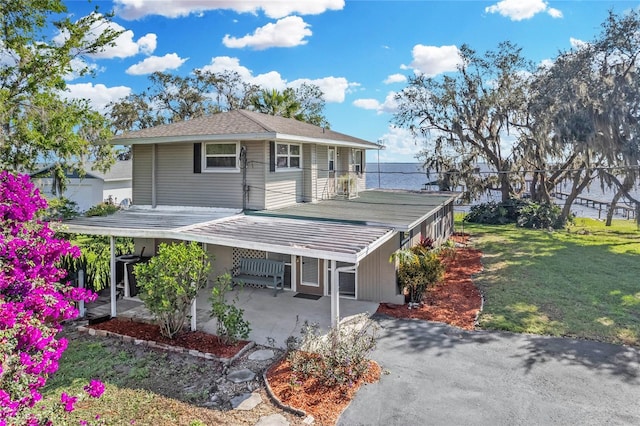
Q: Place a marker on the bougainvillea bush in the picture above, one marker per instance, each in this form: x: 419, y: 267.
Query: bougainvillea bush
x: 34, y: 301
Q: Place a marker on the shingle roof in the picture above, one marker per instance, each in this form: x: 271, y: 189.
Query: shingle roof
x: 239, y: 124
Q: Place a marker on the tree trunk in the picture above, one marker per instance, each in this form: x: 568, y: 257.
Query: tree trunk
x: 612, y: 207
x: 578, y: 185
x: 505, y: 187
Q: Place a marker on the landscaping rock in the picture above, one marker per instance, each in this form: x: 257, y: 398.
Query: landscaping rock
x: 262, y: 355
x: 247, y: 401
x: 272, y: 420
x: 241, y: 376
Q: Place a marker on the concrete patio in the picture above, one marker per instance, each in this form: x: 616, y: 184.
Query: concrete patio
x: 270, y: 317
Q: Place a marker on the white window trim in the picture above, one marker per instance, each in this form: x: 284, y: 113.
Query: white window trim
x: 335, y: 156
x: 206, y: 169
x: 355, y: 155
x: 307, y: 284
x: 328, y: 274
x: 288, y: 169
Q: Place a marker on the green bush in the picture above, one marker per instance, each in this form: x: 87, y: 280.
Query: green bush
x: 95, y: 259
x: 230, y: 324
x: 541, y: 216
x: 60, y: 209
x: 339, y: 358
x: 496, y: 213
x: 170, y: 281
x: 102, y: 209
x: 416, y: 273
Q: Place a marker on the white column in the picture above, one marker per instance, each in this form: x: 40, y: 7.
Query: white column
x: 335, y: 295
x: 81, y: 285
x: 113, y: 276
x: 193, y: 315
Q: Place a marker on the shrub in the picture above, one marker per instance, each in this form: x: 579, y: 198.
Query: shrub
x: 102, y: 209
x: 170, y: 281
x: 339, y: 358
x: 230, y: 324
x: 60, y: 209
x: 496, y: 213
x: 541, y: 216
x: 418, y: 268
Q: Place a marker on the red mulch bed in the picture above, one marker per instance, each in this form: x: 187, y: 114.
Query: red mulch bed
x: 198, y: 340
x: 455, y: 300
x: 325, y: 404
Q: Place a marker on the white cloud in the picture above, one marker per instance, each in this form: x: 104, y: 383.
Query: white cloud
x: 577, y: 43
x: 554, y: 13
x: 390, y: 105
x: 334, y: 88
x: 434, y: 60
x: 135, y: 9
x: 124, y: 46
x: 170, y: 61
x: 371, y: 104
x: 518, y: 10
x: 99, y: 96
x: 147, y: 43
x: 395, y: 78
x: 400, y: 145
x: 286, y: 32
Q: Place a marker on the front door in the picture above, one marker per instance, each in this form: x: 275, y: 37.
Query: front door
x: 309, y: 279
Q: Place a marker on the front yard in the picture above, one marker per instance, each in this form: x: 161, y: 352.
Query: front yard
x: 582, y: 282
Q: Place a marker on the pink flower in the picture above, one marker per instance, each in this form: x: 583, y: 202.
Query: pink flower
x: 68, y: 401
x: 95, y: 388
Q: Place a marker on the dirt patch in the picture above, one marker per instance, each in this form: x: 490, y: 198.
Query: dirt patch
x: 456, y: 300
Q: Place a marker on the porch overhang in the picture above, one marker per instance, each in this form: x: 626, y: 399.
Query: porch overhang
x: 341, y: 242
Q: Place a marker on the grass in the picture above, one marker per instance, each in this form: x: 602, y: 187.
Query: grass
x: 142, y: 386
x: 581, y: 282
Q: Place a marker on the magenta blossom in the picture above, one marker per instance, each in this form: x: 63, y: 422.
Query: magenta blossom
x: 68, y: 401
x: 95, y: 388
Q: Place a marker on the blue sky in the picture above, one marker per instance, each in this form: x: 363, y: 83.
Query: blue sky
x: 359, y: 52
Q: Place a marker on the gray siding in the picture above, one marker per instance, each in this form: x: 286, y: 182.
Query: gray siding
x: 178, y: 185
x: 257, y: 167
x: 325, y: 187
x: 283, y: 188
x: 310, y: 171
x: 141, y: 186
x: 377, y: 276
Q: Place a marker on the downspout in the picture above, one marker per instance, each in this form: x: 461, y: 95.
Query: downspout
x: 153, y: 175
x: 243, y: 166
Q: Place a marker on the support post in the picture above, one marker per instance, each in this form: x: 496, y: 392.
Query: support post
x: 335, y: 294
x: 81, y: 285
x: 112, y: 241
x: 193, y: 315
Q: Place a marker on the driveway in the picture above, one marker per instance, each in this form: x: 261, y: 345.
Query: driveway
x: 440, y: 375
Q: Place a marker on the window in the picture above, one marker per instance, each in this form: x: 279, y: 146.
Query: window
x: 287, y: 156
x: 221, y: 156
x: 332, y: 159
x: 357, y: 160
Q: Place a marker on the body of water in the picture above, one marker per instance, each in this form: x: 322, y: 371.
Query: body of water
x: 411, y: 176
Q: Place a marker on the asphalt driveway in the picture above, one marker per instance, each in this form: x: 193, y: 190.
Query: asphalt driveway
x: 440, y: 375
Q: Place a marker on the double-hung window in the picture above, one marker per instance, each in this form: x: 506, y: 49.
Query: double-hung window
x: 332, y: 159
x: 357, y: 161
x: 288, y: 156
x: 221, y: 156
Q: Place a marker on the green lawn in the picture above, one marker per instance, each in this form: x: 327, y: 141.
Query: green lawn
x: 584, y: 282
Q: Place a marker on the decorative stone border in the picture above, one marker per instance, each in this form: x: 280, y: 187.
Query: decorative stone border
x: 273, y: 396
x: 165, y: 347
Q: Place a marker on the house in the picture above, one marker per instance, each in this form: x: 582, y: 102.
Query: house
x: 92, y: 188
x: 247, y: 184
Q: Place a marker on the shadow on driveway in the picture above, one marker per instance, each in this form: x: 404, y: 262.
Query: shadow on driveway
x: 442, y: 375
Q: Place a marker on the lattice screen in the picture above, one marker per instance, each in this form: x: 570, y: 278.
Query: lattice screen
x: 240, y: 253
